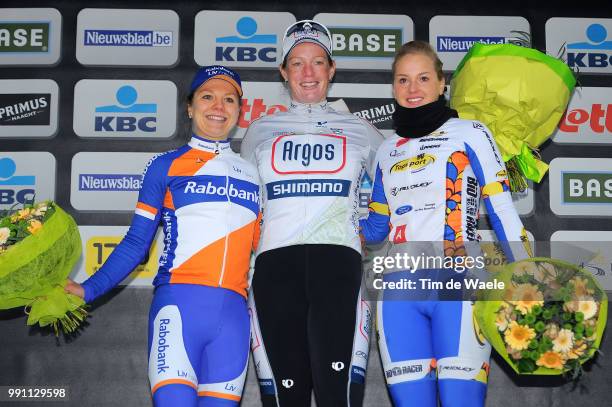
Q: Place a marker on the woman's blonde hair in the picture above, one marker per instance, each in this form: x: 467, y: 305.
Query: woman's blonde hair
x: 419, y: 47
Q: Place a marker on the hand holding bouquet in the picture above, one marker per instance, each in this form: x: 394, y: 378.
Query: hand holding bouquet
x: 39, y: 246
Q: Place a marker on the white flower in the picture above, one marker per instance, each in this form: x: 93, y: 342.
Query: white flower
x: 5, y: 233
x: 564, y: 341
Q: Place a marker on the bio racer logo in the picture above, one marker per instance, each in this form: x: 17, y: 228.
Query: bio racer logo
x: 319, y: 154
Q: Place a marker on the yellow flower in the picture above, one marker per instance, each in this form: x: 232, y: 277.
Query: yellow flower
x: 588, y: 307
x: 41, y: 210
x: 551, y: 360
x: 23, y: 213
x: 527, y: 296
x: 564, y: 341
x: 34, y: 226
x: 579, y: 350
x: 501, y: 321
x: 581, y: 288
x: 519, y: 336
x: 5, y: 233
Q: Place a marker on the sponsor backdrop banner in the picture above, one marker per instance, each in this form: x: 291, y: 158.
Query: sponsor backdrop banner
x: 28, y: 108
x: 90, y: 91
x: 30, y: 36
x: 127, y: 37
x: 585, y: 43
x: 453, y: 36
x: 365, y: 41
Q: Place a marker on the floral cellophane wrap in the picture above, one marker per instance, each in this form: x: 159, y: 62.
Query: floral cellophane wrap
x: 33, y: 272
x: 486, y: 310
x: 519, y: 93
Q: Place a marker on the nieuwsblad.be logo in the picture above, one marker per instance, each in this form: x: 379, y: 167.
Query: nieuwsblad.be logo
x: 127, y: 37
x: 240, y: 38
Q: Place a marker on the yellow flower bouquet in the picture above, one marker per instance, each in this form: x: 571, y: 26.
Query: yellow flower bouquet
x: 39, y: 246
x: 549, y: 319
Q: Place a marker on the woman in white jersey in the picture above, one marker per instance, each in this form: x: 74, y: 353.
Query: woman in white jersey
x: 311, y: 327
x: 428, y: 182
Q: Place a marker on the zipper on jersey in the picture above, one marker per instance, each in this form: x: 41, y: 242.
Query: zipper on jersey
x: 227, y: 209
x: 217, y: 147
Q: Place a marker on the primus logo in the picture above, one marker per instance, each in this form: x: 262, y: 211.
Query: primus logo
x: 24, y: 37
x: 589, y: 188
x: 25, y: 109
x: 414, y: 164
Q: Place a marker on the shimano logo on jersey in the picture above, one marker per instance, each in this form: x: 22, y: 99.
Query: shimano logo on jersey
x: 308, y: 187
x: 309, y: 154
x: 162, y: 345
x: 414, y: 164
x: 210, y: 188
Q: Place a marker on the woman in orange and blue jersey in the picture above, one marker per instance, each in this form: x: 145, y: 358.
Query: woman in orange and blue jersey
x: 207, y: 200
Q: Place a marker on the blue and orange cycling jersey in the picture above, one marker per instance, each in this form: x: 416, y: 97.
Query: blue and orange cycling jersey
x: 207, y: 200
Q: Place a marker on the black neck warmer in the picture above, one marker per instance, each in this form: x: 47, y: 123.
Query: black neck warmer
x: 420, y: 121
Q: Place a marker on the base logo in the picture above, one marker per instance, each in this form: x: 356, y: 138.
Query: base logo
x: 581, y: 186
x: 30, y: 36
x: 366, y: 41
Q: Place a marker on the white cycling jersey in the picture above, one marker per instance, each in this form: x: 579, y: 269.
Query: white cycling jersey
x: 311, y: 160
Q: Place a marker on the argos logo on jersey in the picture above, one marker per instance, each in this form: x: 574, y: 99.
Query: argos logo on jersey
x: 309, y: 154
x: 414, y: 164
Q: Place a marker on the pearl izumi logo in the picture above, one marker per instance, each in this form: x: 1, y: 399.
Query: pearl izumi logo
x: 30, y: 36
x: 366, y: 41
x: 287, y: 383
x: 25, y: 109
x: 337, y: 366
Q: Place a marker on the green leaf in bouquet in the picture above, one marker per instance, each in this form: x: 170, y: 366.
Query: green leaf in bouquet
x: 526, y: 365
